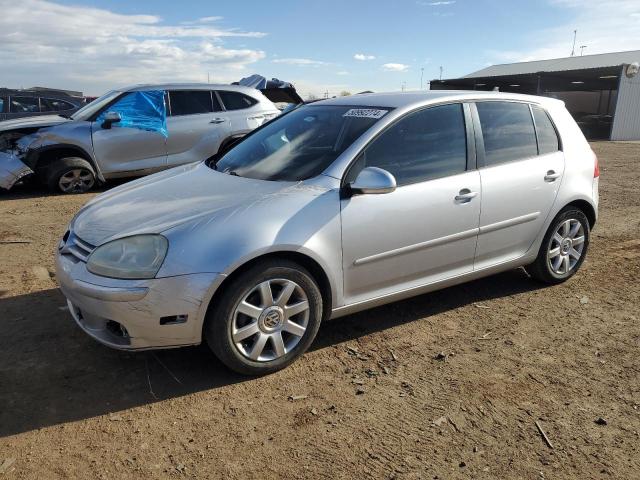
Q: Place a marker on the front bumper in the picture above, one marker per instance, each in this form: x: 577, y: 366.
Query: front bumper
x: 12, y: 170
x: 136, y: 314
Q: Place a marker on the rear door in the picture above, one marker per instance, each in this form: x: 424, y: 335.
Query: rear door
x: 196, y: 126
x: 244, y: 112
x: 521, y: 168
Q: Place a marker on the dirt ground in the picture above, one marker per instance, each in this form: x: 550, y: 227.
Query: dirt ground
x: 372, y: 399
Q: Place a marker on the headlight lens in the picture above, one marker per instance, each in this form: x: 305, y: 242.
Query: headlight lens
x: 137, y: 257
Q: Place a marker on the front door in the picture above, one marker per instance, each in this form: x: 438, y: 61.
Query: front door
x: 426, y: 229
x: 522, y: 172
x: 135, y: 145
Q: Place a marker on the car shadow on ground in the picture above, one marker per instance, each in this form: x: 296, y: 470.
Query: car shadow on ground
x: 34, y: 189
x: 51, y: 372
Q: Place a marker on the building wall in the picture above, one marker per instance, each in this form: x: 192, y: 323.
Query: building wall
x: 626, y: 122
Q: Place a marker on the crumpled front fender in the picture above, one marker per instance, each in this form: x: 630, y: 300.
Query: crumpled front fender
x: 12, y: 169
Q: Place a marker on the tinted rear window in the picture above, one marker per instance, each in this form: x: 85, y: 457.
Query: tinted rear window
x: 236, y: 100
x: 547, y: 137
x: 507, y: 131
x: 25, y: 104
x: 54, y: 105
x: 190, y: 102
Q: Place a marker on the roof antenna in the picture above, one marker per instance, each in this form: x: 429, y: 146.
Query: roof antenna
x: 573, y: 49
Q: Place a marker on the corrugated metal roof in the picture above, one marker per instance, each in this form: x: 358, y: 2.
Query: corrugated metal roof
x: 559, y: 64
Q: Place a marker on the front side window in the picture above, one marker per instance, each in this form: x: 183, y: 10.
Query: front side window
x: 507, y: 131
x: 425, y: 145
x: 190, y: 102
x: 547, y: 137
x: 92, y: 108
x: 300, y: 144
x: 54, y: 105
x: 236, y: 100
x: 25, y: 105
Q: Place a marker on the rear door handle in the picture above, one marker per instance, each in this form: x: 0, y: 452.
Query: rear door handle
x: 465, y: 195
x: 551, y: 176
x: 217, y: 120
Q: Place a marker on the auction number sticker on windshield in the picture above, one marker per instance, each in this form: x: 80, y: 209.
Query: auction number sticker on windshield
x: 365, y: 113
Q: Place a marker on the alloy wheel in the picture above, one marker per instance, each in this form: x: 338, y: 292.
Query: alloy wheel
x: 270, y: 320
x: 77, y: 180
x: 566, y: 247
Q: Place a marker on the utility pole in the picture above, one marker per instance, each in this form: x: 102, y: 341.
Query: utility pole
x: 403, y: 85
x: 582, y: 47
x: 441, y: 73
x: 208, y: 79
x: 573, y: 49
x: 421, y: 76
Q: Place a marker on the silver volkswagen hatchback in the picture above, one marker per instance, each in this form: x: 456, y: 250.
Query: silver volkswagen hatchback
x: 332, y: 208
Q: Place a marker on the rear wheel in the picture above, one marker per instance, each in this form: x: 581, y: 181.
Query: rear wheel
x: 563, y: 248
x: 266, y: 318
x: 70, y: 175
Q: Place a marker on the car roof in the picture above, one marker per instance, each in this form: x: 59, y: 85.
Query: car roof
x: 408, y: 99
x: 186, y: 86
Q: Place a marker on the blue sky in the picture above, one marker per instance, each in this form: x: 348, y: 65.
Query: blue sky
x: 329, y: 45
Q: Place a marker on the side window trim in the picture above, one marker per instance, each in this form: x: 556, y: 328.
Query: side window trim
x: 472, y: 158
x: 222, y: 106
x: 357, y: 157
x: 535, y: 129
x: 553, y: 124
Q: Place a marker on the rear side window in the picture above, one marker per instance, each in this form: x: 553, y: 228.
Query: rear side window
x: 53, y: 105
x: 424, y: 145
x: 25, y: 105
x: 507, y: 131
x: 547, y: 137
x: 2, y: 102
x: 190, y: 102
x: 236, y: 100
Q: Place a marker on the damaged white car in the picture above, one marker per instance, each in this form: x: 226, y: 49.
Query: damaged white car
x: 130, y: 132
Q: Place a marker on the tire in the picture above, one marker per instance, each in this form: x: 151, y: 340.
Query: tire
x: 243, y: 327
x: 70, y: 175
x: 556, y: 261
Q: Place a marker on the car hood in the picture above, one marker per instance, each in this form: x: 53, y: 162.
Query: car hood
x: 159, y: 202
x: 32, y: 122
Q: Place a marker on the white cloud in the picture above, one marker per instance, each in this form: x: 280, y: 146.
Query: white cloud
x: 364, y: 57
x: 603, y: 26
x: 436, y: 4
x: 342, y: 73
x: 395, y: 67
x: 306, y: 62
x: 95, y: 49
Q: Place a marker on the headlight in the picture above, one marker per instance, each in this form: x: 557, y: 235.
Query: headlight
x: 136, y: 257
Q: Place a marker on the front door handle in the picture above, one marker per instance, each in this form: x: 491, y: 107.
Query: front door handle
x: 465, y: 195
x: 217, y: 120
x: 551, y: 176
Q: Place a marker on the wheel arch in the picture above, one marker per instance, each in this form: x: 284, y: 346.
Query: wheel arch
x: 585, y: 207
x: 44, y: 156
x: 306, y: 261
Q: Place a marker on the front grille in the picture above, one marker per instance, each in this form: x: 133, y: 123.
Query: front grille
x: 77, y: 247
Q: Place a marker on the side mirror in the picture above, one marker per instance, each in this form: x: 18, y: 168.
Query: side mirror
x: 373, y: 180
x: 111, y: 118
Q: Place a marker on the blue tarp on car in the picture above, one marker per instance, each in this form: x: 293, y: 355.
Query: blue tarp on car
x: 143, y: 110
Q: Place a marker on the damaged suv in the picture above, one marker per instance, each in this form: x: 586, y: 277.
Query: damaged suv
x: 130, y: 132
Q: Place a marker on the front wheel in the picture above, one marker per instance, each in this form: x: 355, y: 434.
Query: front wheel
x: 563, y: 248
x: 266, y: 318
x: 70, y: 175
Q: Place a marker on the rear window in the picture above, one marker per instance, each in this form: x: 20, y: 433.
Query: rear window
x: 25, y: 105
x: 54, y: 105
x: 236, y: 100
x: 548, y: 141
x: 190, y: 102
x: 507, y: 131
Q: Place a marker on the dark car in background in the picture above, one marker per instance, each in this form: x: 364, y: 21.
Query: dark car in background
x: 24, y: 103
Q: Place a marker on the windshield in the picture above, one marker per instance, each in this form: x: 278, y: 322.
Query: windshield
x: 300, y: 144
x: 89, y: 109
